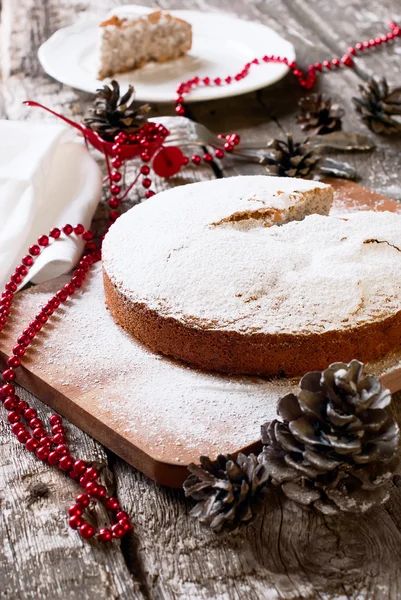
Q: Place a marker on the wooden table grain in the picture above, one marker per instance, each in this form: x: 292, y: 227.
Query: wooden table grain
x: 288, y: 552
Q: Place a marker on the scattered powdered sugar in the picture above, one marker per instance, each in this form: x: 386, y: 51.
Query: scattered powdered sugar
x: 169, y: 410
x: 206, y: 254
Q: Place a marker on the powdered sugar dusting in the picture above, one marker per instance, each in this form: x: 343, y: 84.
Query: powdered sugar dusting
x: 206, y: 254
x: 171, y: 411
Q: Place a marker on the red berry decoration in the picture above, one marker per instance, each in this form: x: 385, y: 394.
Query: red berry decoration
x: 168, y: 161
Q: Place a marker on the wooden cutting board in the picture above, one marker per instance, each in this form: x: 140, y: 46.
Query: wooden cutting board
x: 157, y: 414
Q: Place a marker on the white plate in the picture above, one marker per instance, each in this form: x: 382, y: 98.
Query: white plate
x: 222, y: 45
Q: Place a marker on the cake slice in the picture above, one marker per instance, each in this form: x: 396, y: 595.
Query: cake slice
x: 129, y: 41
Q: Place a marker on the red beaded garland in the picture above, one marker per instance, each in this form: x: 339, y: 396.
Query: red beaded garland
x: 52, y: 448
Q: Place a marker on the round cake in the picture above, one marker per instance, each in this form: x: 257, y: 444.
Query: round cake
x: 242, y: 275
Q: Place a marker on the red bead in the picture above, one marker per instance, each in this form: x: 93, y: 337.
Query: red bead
x: 146, y: 182
x: 39, y: 432
x: 55, y: 233
x: 16, y: 278
x: 83, y: 499
x: 75, y: 509
x: 19, y: 350
x: 366, y: 44
x: 113, y: 216
x: 35, y: 423
x: 86, y: 531
x: 112, y: 504
x: 104, y: 535
x: 77, y: 281
x: 42, y: 453
x: 58, y: 428
x: 185, y: 160
x: 206, y: 80
x: 116, y: 162
x: 75, y: 522
x: 347, y: 60
x: 79, y: 466
x: 3, y: 319
x: 13, y: 362
x: 180, y: 110
x: 336, y: 62
x: 5, y: 311
x: 235, y: 139
x: 126, y: 525
x: 115, y: 176
x: 397, y: 31
x: 53, y: 458
x: 27, y: 260
x: 62, y: 450
x: 17, y: 427
x: 59, y: 439
x: 149, y: 193
x: 68, y: 229
x: 219, y: 153
x: 45, y: 441
x: 79, y: 229
x: 195, y: 159
x: 55, y: 420
x: 297, y: 73
x: 66, y: 463
x: 378, y: 41
x: 34, y: 250
x: 24, y: 340
x: 35, y: 325
x: 145, y: 157
x: 116, y: 149
x: 10, y: 403
x: 145, y: 170
x: 30, y: 413
x: 92, y: 488
x: 115, y: 189
x: 31, y: 445
x: 91, y: 246
x: 6, y: 390
x: 22, y: 405
x: 207, y: 157
x: 9, y: 375
x: 122, y: 515
x: 228, y: 79
x: 217, y: 81
x: 120, y: 138
x: 43, y: 240
x: 92, y: 473
x: 117, y: 531
x: 228, y: 147
x: 11, y: 286
x: 22, y: 270
x: 101, y: 491
x: 13, y: 416
x: 327, y: 64
x: 69, y: 288
x: 62, y: 295
x: 23, y: 436
x: 30, y: 332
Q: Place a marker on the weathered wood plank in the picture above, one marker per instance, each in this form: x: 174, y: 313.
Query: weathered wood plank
x: 288, y: 553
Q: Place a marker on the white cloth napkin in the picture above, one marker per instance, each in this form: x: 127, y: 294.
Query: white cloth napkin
x: 47, y: 179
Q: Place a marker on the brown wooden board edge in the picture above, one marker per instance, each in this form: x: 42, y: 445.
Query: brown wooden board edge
x: 165, y: 473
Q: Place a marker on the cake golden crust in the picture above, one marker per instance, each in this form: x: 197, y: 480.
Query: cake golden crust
x: 259, y: 354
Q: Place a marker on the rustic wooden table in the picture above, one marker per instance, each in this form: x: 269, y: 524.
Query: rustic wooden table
x: 288, y: 552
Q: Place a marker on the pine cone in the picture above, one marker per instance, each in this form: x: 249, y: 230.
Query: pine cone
x: 336, y: 447
x: 112, y: 114
x: 378, y: 105
x: 319, y: 115
x: 290, y: 159
x: 228, y: 490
